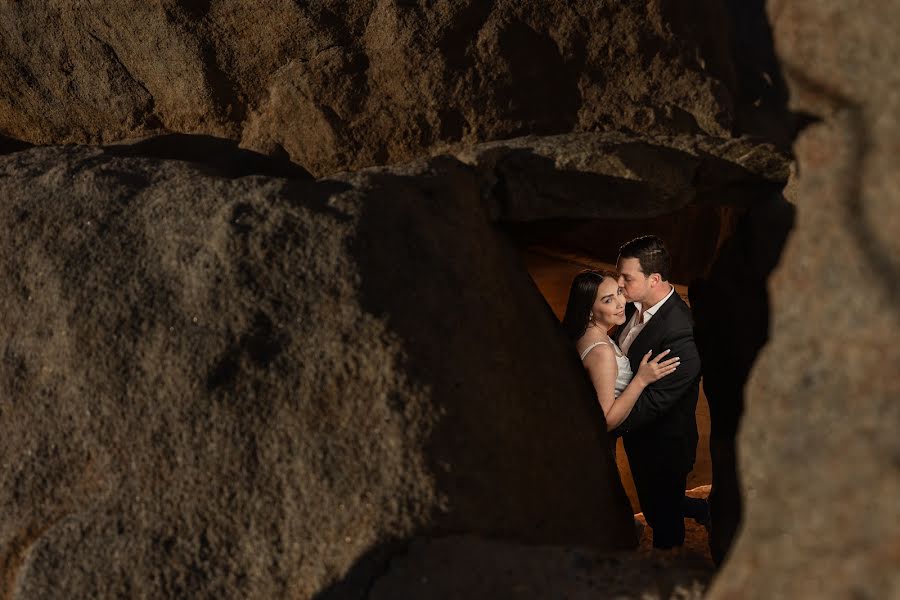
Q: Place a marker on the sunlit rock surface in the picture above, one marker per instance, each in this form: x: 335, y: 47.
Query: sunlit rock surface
x: 819, y: 444
x: 259, y: 386
x: 344, y: 84
x: 222, y: 377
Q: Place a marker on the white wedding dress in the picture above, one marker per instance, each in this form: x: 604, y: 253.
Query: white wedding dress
x: 623, y: 374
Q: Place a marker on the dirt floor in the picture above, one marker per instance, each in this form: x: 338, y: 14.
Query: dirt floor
x: 553, y: 272
x: 457, y: 567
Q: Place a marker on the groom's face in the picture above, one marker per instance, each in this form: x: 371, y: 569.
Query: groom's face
x: 633, y: 280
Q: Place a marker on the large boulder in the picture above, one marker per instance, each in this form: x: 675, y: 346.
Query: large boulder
x: 589, y: 193
x: 341, y: 84
x: 261, y: 387
x: 617, y: 175
x: 819, y: 448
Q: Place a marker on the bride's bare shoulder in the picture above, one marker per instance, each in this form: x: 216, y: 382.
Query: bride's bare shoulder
x: 589, y: 337
x: 599, y: 349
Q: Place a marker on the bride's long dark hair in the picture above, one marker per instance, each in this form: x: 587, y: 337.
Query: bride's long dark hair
x: 582, y: 295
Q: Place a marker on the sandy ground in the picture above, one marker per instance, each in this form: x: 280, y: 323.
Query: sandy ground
x: 553, y: 273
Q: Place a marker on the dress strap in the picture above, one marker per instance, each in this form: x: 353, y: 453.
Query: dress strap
x: 618, y: 351
x: 591, y: 347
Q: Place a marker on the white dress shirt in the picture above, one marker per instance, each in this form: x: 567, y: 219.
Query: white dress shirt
x: 634, y: 327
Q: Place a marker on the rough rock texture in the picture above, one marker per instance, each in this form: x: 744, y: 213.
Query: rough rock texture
x: 340, y: 84
x: 819, y: 450
x: 258, y: 387
x: 620, y: 175
x: 468, y: 567
x: 591, y: 192
x: 454, y: 567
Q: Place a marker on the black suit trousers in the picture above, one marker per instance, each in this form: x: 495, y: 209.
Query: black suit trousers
x: 660, y: 487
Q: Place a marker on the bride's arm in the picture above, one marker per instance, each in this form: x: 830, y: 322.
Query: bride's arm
x: 602, y: 368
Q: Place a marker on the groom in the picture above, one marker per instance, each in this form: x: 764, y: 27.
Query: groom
x: 660, y: 433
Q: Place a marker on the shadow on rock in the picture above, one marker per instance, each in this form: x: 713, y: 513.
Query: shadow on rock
x: 731, y: 314
x: 358, y: 582
x: 616, y: 176
x: 10, y: 145
x: 216, y: 156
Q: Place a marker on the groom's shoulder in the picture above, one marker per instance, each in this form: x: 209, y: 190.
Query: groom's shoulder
x: 677, y: 311
x: 676, y: 304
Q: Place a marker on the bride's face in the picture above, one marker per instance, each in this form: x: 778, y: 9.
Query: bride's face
x: 609, y: 305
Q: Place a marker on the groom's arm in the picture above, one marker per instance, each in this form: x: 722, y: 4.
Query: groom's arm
x: 659, y: 397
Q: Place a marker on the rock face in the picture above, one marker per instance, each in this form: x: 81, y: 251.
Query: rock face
x: 260, y: 387
x: 819, y: 447
x: 591, y: 192
x: 731, y: 324
x: 615, y: 175
x: 221, y: 377
x: 342, y: 84
x: 467, y: 567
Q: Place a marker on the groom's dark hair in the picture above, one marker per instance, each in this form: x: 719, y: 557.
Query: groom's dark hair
x: 651, y: 254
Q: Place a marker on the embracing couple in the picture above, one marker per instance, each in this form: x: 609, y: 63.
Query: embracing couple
x: 646, y: 375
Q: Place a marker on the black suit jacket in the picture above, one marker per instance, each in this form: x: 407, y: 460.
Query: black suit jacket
x: 663, y: 419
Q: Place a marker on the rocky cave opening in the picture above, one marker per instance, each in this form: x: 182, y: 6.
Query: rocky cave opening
x: 722, y: 256
x: 554, y: 252
x: 228, y: 362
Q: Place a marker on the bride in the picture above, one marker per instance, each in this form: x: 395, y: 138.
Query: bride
x: 597, y: 304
